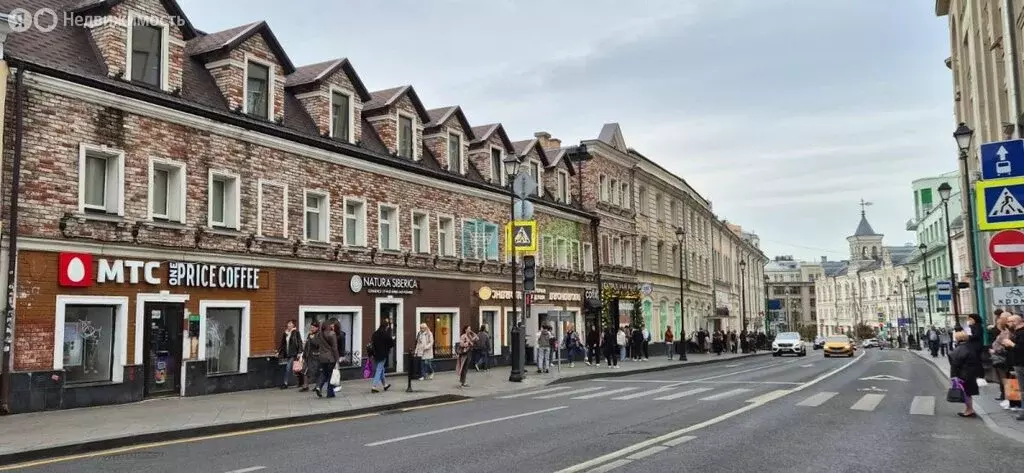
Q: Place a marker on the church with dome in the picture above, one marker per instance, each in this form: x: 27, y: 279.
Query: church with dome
x: 867, y: 288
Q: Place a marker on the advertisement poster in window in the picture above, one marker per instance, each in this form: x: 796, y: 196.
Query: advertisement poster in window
x: 441, y: 326
x: 72, y: 345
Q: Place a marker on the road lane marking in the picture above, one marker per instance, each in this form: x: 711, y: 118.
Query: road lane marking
x: 416, y: 408
x: 531, y: 393
x: 769, y: 396
x: 146, y: 446
x: 682, y: 394
x: 610, y: 466
x: 732, y: 365
x: 679, y: 441
x: 606, y: 393
x: 922, y: 406
x: 569, y: 393
x: 646, y: 453
x: 686, y: 430
x: 250, y: 469
x: 463, y: 426
x: 868, y: 403
x: 644, y: 393
x: 817, y: 399
x: 808, y: 365
x: 724, y: 395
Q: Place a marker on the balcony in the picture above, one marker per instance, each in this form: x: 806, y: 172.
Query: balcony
x: 912, y: 224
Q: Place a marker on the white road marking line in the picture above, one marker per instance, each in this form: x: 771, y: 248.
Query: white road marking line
x: 724, y: 395
x: 808, y: 365
x: 643, y: 393
x: 682, y: 394
x: 868, y: 403
x: 569, y: 393
x: 922, y: 406
x: 531, y: 393
x: 606, y: 393
x: 463, y: 426
x: 610, y: 466
x: 679, y: 441
x: 770, y: 396
x: 817, y: 399
x: 732, y: 365
x: 247, y: 470
x: 676, y: 434
x: 659, y: 381
x: 789, y: 383
x: 646, y: 453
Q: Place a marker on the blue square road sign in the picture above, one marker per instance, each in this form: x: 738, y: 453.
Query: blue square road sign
x: 1002, y: 159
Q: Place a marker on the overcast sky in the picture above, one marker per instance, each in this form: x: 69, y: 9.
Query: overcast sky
x: 785, y: 113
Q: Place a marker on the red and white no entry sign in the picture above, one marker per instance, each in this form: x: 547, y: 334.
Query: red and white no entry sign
x: 1007, y: 248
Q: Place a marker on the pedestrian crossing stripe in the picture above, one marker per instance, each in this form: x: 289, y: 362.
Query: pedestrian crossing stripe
x: 1006, y: 205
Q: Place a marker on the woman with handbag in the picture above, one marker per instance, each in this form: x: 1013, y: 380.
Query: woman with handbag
x: 425, y: 350
x: 325, y: 344
x: 466, y: 343
x: 965, y: 367
x: 289, y: 351
x: 998, y: 351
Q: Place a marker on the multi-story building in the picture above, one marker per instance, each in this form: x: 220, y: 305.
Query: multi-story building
x: 791, y: 282
x: 868, y: 288
x: 175, y: 197
x: 932, y: 264
x: 985, y: 56
x: 736, y: 269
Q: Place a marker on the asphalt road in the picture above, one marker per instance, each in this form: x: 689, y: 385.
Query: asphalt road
x: 722, y: 417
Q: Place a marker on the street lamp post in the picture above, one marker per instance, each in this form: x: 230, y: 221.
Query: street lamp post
x: 517, y: 348
x: 743, y: 294
x: 964, y: 135
x: 912, y: 307
x: 766, y: 312
x: 944, y: 191
x: 681, y: 236
x: 926, y: 277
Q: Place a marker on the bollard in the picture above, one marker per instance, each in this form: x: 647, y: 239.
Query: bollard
x: 408, y: 371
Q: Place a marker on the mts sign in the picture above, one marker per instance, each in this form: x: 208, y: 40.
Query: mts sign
x: 76, y: 270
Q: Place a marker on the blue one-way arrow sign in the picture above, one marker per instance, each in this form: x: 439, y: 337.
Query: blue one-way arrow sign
x: 1002, y: 159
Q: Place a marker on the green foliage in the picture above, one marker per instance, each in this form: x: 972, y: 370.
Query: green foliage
x: 636, y: 316
x: 863, y: 331
x: 807, y: 332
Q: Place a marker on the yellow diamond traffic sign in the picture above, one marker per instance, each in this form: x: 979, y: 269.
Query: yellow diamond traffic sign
x: 521, y: 236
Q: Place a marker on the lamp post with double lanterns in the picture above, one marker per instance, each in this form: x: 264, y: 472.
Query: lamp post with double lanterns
x: 681, y: 236
x: 944, y: 192
x: 926, y: 277
x: 964, y: 136
x: 516, y: 341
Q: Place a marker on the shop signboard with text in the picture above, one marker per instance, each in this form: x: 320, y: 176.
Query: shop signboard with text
x: 85, y: 270
x: 386, y: 285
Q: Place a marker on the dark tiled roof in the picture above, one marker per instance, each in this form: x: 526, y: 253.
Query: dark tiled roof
x: 901, y: 255
x: 382, y: 99
x: 85, y: 6
x: 371, y: 139
x: 607, y: 134
x: 315, y: 73
x: 524, y: 147
x: 834, y: 268
x: 864, y: 228
x: 231, y: 38
x: 439, y: 116
x: 483, y: 132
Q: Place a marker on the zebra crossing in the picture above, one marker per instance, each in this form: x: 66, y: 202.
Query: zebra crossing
x: 869, y: 402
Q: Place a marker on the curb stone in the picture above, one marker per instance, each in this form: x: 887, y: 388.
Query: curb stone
x: 202, y: 431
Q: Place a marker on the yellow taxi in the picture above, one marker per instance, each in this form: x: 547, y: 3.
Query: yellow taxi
x: 839, y: 345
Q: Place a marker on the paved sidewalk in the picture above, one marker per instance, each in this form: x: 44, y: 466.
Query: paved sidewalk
x: 25, y: 437
x: 985, y: 403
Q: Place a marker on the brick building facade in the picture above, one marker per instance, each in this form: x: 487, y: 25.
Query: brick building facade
x: 140, y: 141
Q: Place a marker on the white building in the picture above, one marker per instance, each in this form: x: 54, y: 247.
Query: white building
x: 868, y: 288
x: 791, y: 282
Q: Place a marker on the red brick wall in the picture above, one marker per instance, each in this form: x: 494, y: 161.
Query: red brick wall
x: 112, y: 39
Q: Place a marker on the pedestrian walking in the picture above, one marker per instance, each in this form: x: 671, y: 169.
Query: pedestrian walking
x: 944, y: 340
x: 669, y: 338
x: 482, y: 349
x: 646, y: 343
x: 544, y: 349
x: 572, y: 345
x: 289, y: 349
x: 593, y: 346
x: 1015, y: 351
x: 620, y: 340
x: 381, y: 343
x: 612, y: 346
x: 325, y: 345
x: 425, y: 350
x: 965, y: 365
x: 466, y: 342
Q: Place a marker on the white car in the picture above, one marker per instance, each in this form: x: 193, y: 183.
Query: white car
x: 788, y: 342
x: 870, y: 343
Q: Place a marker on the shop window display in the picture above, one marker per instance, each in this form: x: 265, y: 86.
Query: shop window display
x: 441, y: 326
x: 350, y: 353
x: 88, y: 343
x: 223, y: 341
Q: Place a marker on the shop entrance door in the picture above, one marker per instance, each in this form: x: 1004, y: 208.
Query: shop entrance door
x: 162, y: 343
x: 390, y: 310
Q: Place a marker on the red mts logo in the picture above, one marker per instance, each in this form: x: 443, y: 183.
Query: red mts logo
x: 76, y: 269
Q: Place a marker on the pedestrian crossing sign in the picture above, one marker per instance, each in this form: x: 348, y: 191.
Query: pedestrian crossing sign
x: 999, y: 203
x: 521, y: 235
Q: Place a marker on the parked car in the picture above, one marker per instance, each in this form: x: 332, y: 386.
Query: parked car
x: 819, y: 343
x: 788, y: 342
x: 869, y: 343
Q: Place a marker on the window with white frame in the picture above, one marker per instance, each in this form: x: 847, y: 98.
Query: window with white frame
x: 420, y: 232
x: 613, y: 191
x: 538, y: 176
x: 659, y: 211
x: 562, y: 253
x: 574, y: 255
x: 91, y: 338
x: 588, y: 257
x: 563, y: 186
x: 405, y: 136
x: 446, y: 236
x: 341, y: 116
x: 225, y: 330
x: 659, y: 258
x: 642, y: 201
x: 616, y: 252
x: 603, y: 187
x: 480, y: 240
x: 627, y: 252
x: 547, y: 251
x: 387, y: 234
x: 101, y: 180
x: 167, y: 190
x: 258, y: 90
x: 454, y: 152
x: 625, y: 196
x: 355, y: 222
x: 223, y: 200
x: 318, y: 216
x: 148, y: 52
x: 497, y: 166
x: 645, y: 255
x: 606, y: 249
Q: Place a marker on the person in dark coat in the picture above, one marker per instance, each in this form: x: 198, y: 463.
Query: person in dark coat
x: 381, y: 342
x: 289, y: 348
x: 611, y: 347
x: 964, y: 363
x: 325, y: 345
x: 593, y: 346
x: 638, y: 342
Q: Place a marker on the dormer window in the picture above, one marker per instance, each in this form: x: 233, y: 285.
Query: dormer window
x: 563, y: 186
x: 257, y: 96
x: 454, y: 152
x: 497, y: 176
x: 341, y: 116
x: 535, y: 172
x: 405, y: 136
x: 147, y: 54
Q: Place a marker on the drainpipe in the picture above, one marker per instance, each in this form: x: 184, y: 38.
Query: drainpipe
x: 6, y: 360
x: 1010, y: 60
x: 596, y: 260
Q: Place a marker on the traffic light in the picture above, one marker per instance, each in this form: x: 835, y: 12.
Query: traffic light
x: 529, y: 273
